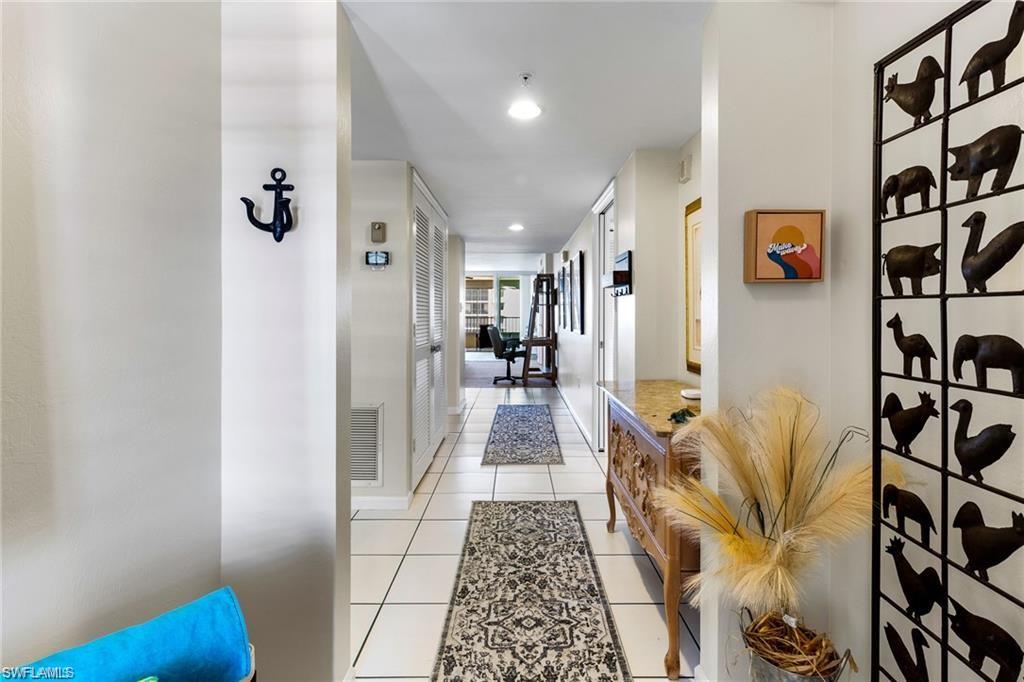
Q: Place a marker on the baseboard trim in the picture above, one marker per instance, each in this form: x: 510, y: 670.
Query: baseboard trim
x: 459, y: 409
x: 576, y: 418
x: 382, y: 502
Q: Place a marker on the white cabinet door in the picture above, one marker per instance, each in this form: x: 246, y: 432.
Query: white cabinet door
x: 422, y: 417
x: 429, y: 405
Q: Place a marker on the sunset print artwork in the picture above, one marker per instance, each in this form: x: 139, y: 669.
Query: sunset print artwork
x: 783, y: 246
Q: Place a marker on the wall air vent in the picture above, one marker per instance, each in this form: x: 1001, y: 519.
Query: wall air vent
x: 366, y: 445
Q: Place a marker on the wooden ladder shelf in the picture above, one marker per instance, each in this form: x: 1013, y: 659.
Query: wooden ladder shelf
x: 541, y: 333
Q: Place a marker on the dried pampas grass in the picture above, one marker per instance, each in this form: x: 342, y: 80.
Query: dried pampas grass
x: 786, y: 499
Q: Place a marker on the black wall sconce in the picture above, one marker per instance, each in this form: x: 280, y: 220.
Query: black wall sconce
x: 282, y: 221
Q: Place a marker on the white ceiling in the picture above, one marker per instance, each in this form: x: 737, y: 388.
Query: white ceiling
x: 495, y: 262
x: 432, y: 82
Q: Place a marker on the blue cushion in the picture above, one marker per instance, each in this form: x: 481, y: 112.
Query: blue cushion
x: 204, y: 641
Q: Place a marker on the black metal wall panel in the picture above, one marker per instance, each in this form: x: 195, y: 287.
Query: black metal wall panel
x: 948, y: 360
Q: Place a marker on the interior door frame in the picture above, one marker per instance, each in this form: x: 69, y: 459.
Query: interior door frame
x: 604, y: 206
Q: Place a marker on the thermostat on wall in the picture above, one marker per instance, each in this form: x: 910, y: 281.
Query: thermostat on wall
x: 378, y: 259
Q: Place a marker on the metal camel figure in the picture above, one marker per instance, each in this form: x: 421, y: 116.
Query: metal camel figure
x: 912, y: 346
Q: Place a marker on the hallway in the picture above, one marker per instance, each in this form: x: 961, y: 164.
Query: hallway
x: 265, y: 266
x: 404, y: 563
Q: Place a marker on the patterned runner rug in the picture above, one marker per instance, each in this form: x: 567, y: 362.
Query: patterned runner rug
x: 528, y: 603
x: 522, y: 434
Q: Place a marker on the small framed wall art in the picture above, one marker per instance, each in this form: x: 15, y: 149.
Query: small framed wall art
x: 783, y: 245
x: 576, y: 268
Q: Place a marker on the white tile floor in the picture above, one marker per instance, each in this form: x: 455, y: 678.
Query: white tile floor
x: 404, y: 562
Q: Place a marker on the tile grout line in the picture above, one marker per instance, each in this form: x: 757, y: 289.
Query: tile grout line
x: 433, y: 492
x: 412, y: 538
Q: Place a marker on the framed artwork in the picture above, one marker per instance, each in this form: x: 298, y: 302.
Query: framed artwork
x: 563, y: 298
x: 691, y: 256
x: 557, y: 298
x: 577, y: 288
x: 571, y: 302
x: 783, y: 245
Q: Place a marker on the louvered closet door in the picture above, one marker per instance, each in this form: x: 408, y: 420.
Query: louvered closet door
x: 439, y: 249
x: 422, y: 417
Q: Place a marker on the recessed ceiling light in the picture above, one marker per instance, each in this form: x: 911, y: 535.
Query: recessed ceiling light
x: 524, y: 110
x: 516, y: 227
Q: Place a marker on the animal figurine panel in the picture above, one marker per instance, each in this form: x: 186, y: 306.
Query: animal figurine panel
x: 907, y: 424
x: 922, y: 589
x: 991, y: 57
x: 914, y: 668
x: 982, y: 449
x: 912, y: 262
x: 978, y: 266
x: 995, y: 150
x: 916, y: 97
x: 987, y: 546
x: 912, y: 346
x: 908, y: 506
x: 992, y: 351
x: 914, y: 180
x: 985, y: 639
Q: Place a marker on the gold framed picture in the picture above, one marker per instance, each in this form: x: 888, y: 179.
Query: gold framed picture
x: 784, y: 245
x: 692, y: 241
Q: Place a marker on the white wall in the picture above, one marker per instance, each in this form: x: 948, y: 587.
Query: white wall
x: 649, y: 333
x: 343, y: 354
x: 817, y: 155
x: 487, y: 262
x: 657, y: 275
x: 576, y: 351
x: 285, y: 104
x: 650, y: 341
x: 456, y: 343
x: 111, y: 317
x: 382, y: 313
x: 625, y: 240
x: 757, y: 337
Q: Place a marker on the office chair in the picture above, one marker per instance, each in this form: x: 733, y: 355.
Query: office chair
x: 504, y: 350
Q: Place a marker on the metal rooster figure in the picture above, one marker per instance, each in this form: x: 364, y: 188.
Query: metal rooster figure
x: 282, y: 221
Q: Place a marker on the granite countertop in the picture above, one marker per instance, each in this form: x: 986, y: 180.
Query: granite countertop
x: 652, y: 401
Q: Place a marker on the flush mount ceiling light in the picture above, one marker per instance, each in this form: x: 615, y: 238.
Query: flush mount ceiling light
x: 516, y: 227
x: 524, y: 109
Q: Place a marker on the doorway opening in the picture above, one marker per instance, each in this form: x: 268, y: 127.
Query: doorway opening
x: 499, y: 300
x: 606, y: 326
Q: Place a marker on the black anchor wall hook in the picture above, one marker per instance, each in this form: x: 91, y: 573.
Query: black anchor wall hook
x: 282, y: 221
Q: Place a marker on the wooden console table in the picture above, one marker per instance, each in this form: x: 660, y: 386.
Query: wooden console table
x: 640, y: 459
